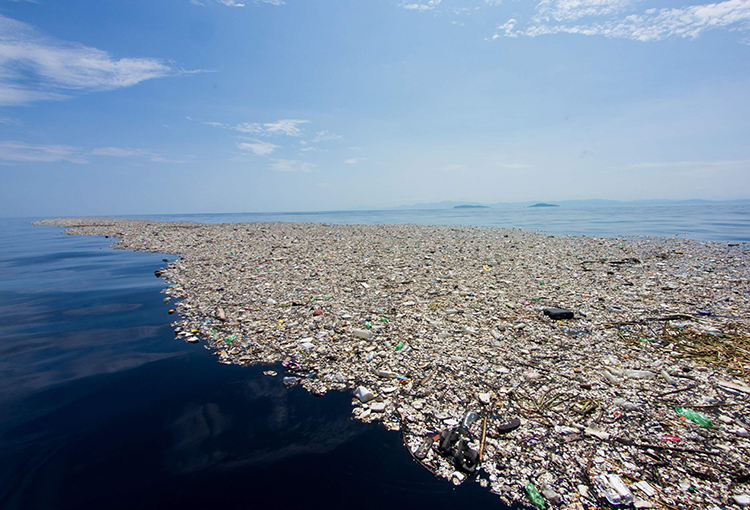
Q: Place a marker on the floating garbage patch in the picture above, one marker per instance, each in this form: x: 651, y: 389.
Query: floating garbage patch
x: 563, y: 372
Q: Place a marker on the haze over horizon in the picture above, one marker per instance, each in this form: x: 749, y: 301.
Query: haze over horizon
x: 182, y: 106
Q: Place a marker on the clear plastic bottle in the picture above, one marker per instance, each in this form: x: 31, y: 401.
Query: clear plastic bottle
x: 613, y: 489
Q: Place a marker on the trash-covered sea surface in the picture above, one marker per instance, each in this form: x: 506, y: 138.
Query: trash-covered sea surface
x: 558, y: 372
x: 103, y: 408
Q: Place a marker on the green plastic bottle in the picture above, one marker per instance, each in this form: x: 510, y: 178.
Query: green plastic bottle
x: 399, y: 346
x: 536, y: 499
x: 700, y: 419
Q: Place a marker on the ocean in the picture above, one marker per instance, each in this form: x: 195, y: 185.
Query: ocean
x: 103, y: 408
x: 706, y: 222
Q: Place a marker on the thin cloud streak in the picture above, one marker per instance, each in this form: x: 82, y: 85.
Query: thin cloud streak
x: 36, y: 68
x: 421, y: 6
x: 683, y: 164
x: 325, y: 136
x: 651, y: 25
x: 288, y: 127
x: 20, y: 152
x: 291, y: 165
x: 235, y: 3
x: 258, y: 147
x: 118, y: 152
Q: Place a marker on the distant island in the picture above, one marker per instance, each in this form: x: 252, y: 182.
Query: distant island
x: 471, y: 207
x: 542, y: 204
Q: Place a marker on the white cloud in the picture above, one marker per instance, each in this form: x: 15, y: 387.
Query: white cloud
x: 235, y: 3
x: 245, y: 127
x: 325, y: 136
x: 214, y: 124
x: 650, y: 25
x: 23, y: 152
x: 453, y: 167
x: 38, y: 68
x: 512, y: 166
x: 158, y: 158
x: 684, y: 164
x: 352, y: 161
x: 506, y: 29
x: 421, y: 6
x: 289, y: 127
x: 291, y: 165
x: 570, y: 10
x: 118, y: 152
x: 258, y: 147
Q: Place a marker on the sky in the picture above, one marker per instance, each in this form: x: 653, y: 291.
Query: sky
x: 211, y: 106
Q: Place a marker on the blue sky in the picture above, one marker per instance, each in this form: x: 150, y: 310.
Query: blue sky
x: 178, y: 106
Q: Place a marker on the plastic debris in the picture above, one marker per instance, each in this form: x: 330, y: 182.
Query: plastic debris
x: 533, y: 494
x: 571, y: 399
x: 557, y: 314
x: 363, y: 394
x: 611, y: 487
x: 695, y: 417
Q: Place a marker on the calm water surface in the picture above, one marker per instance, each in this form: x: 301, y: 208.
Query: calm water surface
x: 100, y: 407
x: 706, y: 222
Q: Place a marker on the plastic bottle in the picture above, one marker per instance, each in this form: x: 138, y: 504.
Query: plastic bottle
x: 363, y: 334
x: 399, y: 346
x: 613, y: 489
x: 668, y: 378
x: 700, y: 419
x: 469, y: 418
x: 536, y: 499
x: 639, y: 374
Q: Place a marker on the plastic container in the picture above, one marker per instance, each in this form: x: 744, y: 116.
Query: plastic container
x: 536, y: 499
x: 700, y: 419
x: 363, y: 394
x: 613, y: 489
x: 469, y: 418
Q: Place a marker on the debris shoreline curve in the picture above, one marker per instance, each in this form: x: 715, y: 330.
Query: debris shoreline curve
x: 565, y: 372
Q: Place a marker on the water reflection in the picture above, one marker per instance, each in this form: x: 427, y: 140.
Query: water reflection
x: 100, y: 407
x: 261, y: 423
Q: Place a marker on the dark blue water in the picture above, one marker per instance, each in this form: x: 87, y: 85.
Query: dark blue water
x: 100, y: 407
x: 728, y: 222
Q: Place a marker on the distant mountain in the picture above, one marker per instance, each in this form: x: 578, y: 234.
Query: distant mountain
x: 445, y: 204
x: 594, y: 202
